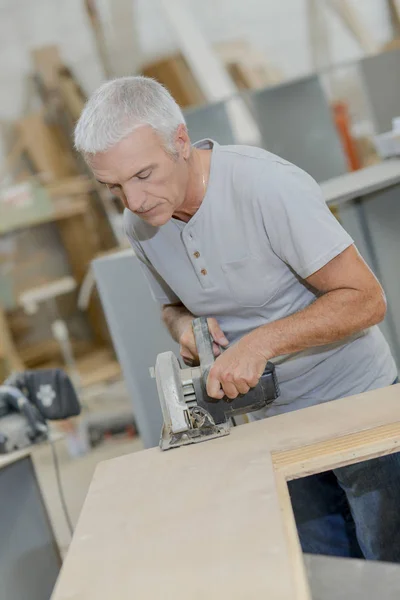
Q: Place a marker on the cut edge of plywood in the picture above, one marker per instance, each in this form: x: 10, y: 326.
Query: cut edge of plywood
x: 299, y: 572
x: 338, y: 452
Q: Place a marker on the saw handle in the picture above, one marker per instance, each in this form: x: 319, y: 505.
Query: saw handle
x: 204, y: 344
x: 267, y: 385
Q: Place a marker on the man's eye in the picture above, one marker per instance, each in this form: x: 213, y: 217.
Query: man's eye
x: 144, y: 175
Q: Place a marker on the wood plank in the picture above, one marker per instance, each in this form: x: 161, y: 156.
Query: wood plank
x: 331, y: 454
x: 394, y: 9
x: 103, y: 373
x: 174, y: 73
x: 43, y: 148
x: 211, y: 75
x: 12, y: 158
x: 247, y: 66
x: 318, y: 35
x: 37, y: 353
x: 99, y: 36
x: 10, y: 359
x: 47, y: 64
x: 71, y: 94
x: 123, y: 37
x: 70, y: 186
x: 215, y: 518
x: 81, y: 244
x: 63, y: 210
x: 350, y: 18
x: 293, y: 548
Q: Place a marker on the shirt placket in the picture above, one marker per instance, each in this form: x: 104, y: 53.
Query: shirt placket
x: 197, y: 258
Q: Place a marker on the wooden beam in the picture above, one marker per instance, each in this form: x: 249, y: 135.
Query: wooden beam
x: 47, y: 64
x: 349, y: 17
x: 209, y: 71
x: 173, y: 72
x: 42, y: 145
x: 12, y: 158
x: 318, y: 35
x: 125, y: 49
x: 214, y: 520
x: 10, y: 360
x: 99, y: 37
x: 394, y: 10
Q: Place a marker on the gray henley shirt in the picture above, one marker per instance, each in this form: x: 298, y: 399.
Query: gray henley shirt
x: 262, y: 228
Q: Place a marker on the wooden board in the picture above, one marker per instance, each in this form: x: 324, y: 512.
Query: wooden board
x: 63, y: 209
x: 10, y: 360
x: 214, y: 520
x: 394, y: 11
x: 70, y: 186
x: 80, y: 241
x: 44, y: 148
x: 174, y: 73
x: 351, y: 19
x: 47, y: 64
x: 209, y: 71
x: 71, y: 94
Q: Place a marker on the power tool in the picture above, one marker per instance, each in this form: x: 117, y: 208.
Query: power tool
x: 190, y: 415
x: 27, y: 400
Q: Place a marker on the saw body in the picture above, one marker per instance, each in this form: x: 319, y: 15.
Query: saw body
x: 190, y: 415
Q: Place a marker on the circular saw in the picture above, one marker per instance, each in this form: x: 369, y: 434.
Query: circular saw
x: 190, y: 415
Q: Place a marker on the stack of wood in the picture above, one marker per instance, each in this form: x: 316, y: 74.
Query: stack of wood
x: 72, y: 223
x: 247, y: 67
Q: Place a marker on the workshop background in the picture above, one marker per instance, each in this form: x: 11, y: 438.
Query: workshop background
x: 317, y: 81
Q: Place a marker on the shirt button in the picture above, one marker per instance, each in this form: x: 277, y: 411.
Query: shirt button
x: 196, y: 254
x: 203, y: 271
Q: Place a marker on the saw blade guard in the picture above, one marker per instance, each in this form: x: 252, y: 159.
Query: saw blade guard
x: 170, y: 392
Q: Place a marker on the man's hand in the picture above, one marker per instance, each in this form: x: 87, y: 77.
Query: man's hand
x: 237, y: 370
x: 188, y: 344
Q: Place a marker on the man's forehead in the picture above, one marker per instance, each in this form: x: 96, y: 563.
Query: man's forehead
x: 138, y: 147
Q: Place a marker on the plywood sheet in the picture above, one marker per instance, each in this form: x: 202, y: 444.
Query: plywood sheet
x: 195, y: 524
x: 213, y: 520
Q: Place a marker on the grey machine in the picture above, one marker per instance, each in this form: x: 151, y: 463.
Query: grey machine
x: 190, y: 415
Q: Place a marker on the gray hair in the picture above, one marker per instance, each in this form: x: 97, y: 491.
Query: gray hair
x: 121, y: 105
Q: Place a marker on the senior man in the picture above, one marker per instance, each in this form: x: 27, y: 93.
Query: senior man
x: 245, y: 238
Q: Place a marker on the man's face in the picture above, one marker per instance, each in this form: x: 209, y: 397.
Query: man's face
x: 148, y: 180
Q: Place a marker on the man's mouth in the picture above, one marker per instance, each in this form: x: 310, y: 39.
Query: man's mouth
x: 145, y: 212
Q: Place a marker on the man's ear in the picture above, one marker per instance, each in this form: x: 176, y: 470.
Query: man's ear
x: 182, y: 141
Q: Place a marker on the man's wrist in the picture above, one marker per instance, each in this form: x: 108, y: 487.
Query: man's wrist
x: 258, y: 342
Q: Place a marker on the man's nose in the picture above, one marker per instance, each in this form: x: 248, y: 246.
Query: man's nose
x: 134, y: 200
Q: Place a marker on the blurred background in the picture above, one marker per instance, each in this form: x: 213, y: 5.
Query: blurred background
x: 315, y: 81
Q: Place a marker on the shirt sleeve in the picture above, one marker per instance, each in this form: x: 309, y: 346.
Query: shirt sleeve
x: 159, y: 289
x: 301, y: 229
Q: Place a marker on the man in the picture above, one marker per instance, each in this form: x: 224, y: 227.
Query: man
x: 243, y: 237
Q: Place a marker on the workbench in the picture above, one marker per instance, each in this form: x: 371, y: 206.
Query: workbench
x: 29, y: 556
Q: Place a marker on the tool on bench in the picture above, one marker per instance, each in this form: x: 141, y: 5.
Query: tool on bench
x: 30, y: 398
x: 190, y: 415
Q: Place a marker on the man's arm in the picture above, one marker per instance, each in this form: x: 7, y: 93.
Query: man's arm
x: 178, y: 321
x: 351, y: 300
x: 176, y: 318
